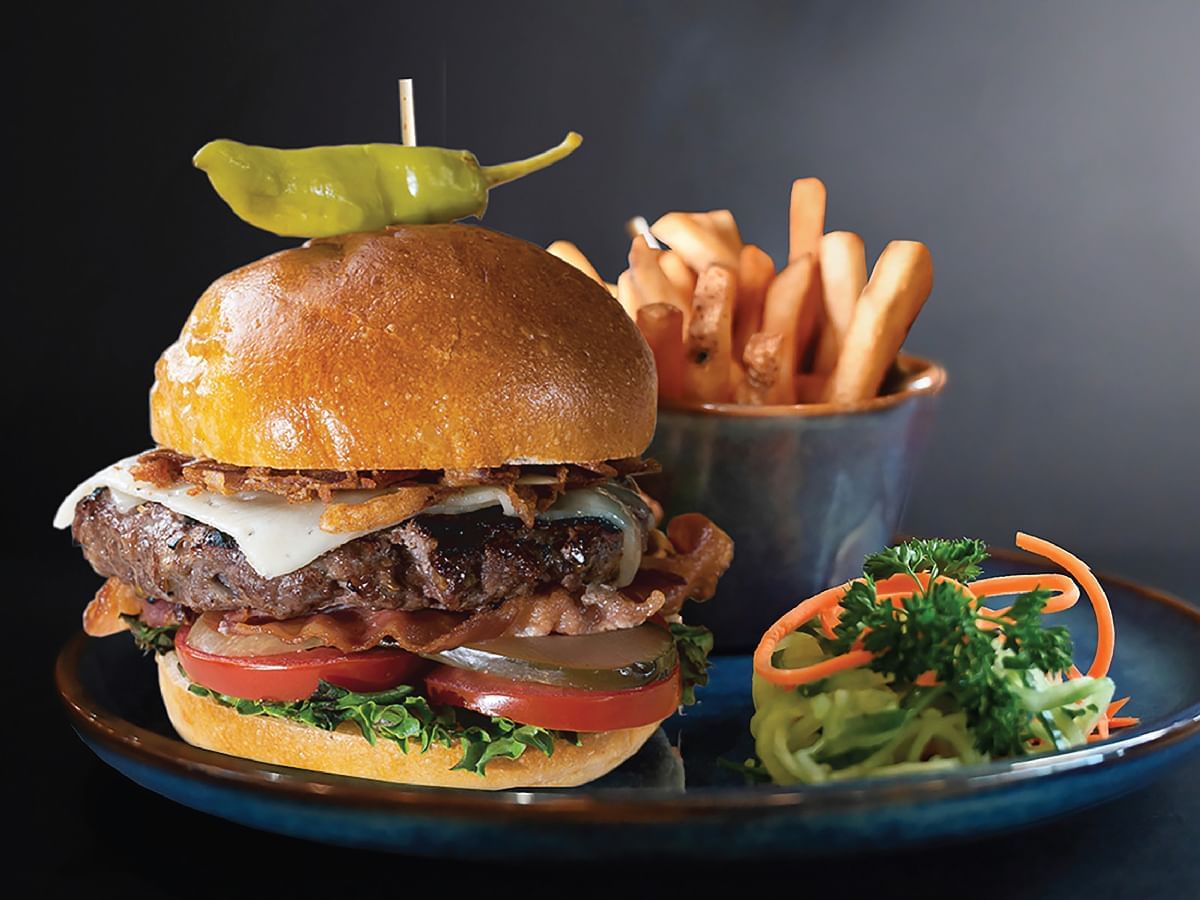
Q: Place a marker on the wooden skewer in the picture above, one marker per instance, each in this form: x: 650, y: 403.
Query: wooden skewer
x: 408, y: 114
x: 639, y: 227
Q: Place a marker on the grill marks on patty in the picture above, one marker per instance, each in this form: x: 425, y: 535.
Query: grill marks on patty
x: 457, y: 563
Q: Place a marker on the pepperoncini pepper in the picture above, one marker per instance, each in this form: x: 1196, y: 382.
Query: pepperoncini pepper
x: 324, y: 191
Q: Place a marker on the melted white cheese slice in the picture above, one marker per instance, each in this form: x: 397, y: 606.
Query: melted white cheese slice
x: 277, y: 537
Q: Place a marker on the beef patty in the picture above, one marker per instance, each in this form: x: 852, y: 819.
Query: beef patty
x: 457, y: 563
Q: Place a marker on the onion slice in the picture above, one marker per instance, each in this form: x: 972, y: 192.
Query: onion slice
x: 205, y: 637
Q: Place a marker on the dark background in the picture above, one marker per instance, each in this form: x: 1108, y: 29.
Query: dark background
x: 1047, y: 153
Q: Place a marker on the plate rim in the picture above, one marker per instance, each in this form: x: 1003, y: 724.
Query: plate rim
x: 95, y: 722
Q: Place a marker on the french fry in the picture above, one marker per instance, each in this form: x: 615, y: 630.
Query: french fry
x: 661, y: 325
x: 756, y: 269
x: 790, y: 310
x: 814, y: 327
x: 721, y: 222
x: 843, y: 277
x: 806, y: 218
x: 699, y: 244
x: 762, y: 367
x: 572, y: 255
x: 811, y: 387
x: 682, y: 278
x: 709, y: 346
x: 737, y: 376
x: 652, y: 284
x: 900, y: 283
x: 627, y: 294
x: 817, y: 331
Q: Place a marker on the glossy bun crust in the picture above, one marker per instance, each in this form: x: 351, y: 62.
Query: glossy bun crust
x: 205, y: 723
x: 419, y: 347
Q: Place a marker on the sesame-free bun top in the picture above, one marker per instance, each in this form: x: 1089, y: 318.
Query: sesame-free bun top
x: 417, y: 347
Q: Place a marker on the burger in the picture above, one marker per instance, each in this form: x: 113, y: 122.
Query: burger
x: 391, y: 527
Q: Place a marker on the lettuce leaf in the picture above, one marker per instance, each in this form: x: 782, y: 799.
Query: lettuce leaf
x: 150, y: 639
x: 693, y: 643
x: 402, y: 715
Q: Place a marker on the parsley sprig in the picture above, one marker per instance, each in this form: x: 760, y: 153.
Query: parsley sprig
x: 937, y: 629
x: 957, y: 558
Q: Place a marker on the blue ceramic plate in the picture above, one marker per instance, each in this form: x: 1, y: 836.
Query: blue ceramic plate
x: 643, y: 809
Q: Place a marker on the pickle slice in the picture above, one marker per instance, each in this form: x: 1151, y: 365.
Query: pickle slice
x: 613, y: 660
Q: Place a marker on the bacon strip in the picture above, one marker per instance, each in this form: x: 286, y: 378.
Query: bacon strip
x: 164, y: 468
x: 697, y: 554
x: 115, y: 598
x: 701, y: 554
x: 428, y: 631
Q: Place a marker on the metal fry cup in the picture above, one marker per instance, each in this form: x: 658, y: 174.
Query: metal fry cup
x: 805, y: 491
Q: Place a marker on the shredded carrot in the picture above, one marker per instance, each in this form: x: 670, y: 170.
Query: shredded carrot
x: 1066, y: 591
x: 1078, y: 569
x: 786, y: 624
x: 902, y: 582
x: 829, y: 620
x: 1109, y: 720
x: 808, y: 674
x: 826, y: 608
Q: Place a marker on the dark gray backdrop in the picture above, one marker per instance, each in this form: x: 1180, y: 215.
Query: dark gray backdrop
x: 1047, y: 153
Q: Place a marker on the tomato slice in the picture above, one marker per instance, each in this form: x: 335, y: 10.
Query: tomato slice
x: 551, y: 706
x: 294, y: 676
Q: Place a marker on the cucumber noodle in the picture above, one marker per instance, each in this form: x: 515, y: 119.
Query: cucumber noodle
x: 855, y: 724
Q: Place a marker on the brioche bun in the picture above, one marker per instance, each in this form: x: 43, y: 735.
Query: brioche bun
x: 205, y: 723
x: 416, y: 347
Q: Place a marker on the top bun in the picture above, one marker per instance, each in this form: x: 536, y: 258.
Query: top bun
x: 419, y: 347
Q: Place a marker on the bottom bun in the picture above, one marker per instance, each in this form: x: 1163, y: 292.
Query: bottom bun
x: 206, y: 723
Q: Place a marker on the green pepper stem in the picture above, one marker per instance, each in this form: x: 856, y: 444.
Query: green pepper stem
x: 506, y: 172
